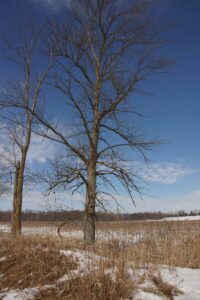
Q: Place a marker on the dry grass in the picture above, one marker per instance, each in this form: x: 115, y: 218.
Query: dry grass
x: 96, y: 285
x: 177, y: 253
x: 29, y: 263
x: 172, y: 243
x: 37, y: 261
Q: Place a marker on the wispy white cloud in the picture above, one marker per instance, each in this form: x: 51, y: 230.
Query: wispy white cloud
x: 36, y: 200
x: 165, y: 172
x: 53, y: 5
x: 62, y: 200
x: 189, y: 201
x: 39, y: 152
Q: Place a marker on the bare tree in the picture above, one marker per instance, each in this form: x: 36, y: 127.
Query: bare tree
x: 103, y: 50
x: 18, y: 101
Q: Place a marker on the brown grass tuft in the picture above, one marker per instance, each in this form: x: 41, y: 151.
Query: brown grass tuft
x: 30, y: 264
x: 95, y: 286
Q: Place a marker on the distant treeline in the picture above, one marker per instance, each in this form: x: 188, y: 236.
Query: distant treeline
x: 59, y: 216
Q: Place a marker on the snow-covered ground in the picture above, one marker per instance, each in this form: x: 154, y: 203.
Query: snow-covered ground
x: 185, y: 218
x: 123, y: 238
x: 26, y: 294
x: 186, y: 280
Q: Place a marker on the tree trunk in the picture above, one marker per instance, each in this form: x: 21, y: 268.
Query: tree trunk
x: 15, y: 224
x: 89, y: 217
x: 18, y: 187
x: 17, y: 201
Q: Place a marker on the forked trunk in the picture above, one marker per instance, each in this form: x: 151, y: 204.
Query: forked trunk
x: 17, y: 202
x: 89, y: 217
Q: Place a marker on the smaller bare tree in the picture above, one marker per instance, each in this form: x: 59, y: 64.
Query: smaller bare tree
x: 25, y: 91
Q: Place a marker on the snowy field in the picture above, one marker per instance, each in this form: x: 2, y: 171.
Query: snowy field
x: 185, y: 280
x: 101, y: 235
x: 176, y: 219
x: 185, y: 218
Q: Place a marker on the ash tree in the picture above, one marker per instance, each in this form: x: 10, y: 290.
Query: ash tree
x: 103, y: 50
x: 19, y: 98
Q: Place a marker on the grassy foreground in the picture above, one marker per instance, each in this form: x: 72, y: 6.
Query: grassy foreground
x: 39, y: 261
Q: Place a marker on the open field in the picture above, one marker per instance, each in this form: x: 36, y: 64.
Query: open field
x: 131, y: 260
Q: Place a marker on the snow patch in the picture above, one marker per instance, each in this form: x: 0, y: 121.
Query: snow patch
x: 86, y: 262
x: 27, y: 294
x: 141, y: 295
x: 185, y: 218
x: 184, y: 279
x: 2, y: 258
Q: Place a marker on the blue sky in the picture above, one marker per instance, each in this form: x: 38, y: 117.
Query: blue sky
x: 171, y: 112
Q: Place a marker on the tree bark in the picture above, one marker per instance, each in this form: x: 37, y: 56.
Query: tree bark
x: 17, y: 205
x: 18, y: 196
x: 89, y: 217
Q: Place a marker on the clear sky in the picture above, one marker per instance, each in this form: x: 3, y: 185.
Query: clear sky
x: 171, y: 113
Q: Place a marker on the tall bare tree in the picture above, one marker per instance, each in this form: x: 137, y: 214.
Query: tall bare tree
x: 103, y: 50
x: 18, y: 101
